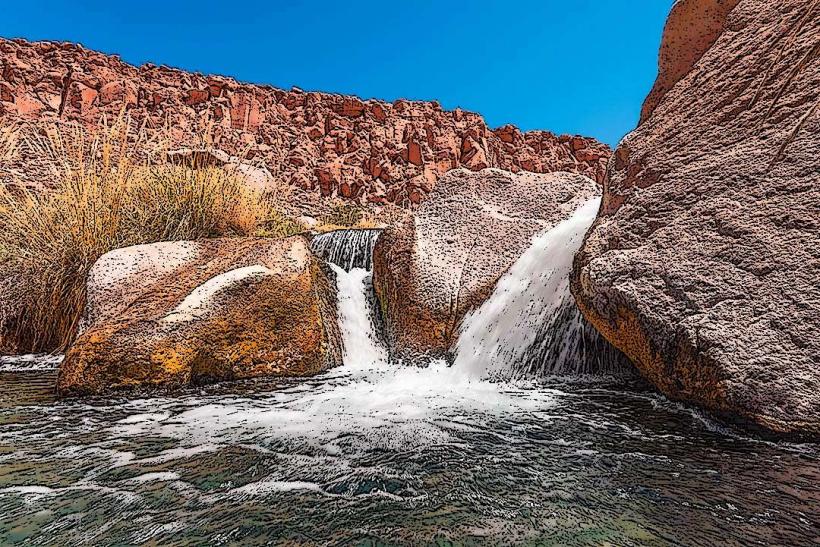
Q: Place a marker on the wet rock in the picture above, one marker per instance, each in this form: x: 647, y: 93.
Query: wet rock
x: 703, y: 265
x: 179, y: 313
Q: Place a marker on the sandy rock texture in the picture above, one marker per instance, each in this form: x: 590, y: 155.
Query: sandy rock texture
x: 443, y: 261
x: 704, y: 263
x: 179, y: 313
x: 319, y: 144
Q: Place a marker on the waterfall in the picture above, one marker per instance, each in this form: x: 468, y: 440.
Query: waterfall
x: 349, y: 253
x: 361, y: 345
x: 530, y: 325
x: 347, y: 249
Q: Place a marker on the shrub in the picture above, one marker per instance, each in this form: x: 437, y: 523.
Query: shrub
x: 279, y: 225
x: 343, y: 214
x: 97, y: 197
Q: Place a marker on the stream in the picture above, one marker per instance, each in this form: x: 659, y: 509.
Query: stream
x: 376, y: 453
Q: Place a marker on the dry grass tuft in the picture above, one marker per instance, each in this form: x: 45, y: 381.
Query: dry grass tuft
x: 343, y: 215
x: 98, y: 198
x: 278, y: 225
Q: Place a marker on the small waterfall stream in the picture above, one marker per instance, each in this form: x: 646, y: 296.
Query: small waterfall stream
x: 361, y: 344
x: 346, y: 249
x: 530, y: 326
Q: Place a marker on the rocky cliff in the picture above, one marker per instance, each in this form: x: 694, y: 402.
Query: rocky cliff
x: 323, y: 144
x: 704, y: 263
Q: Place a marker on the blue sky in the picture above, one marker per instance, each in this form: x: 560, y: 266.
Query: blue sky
x: 570, y: 66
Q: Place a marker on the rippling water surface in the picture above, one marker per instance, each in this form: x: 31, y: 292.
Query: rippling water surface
x: 398, y: 456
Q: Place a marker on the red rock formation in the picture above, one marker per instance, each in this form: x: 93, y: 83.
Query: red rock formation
x: 333, y: 145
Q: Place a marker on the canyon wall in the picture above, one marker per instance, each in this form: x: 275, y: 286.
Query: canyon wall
x: 318, y: 143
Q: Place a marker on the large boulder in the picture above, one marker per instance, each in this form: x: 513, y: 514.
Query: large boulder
x: 704, y: 263
x: 189, y: 312
x: 435, y: 266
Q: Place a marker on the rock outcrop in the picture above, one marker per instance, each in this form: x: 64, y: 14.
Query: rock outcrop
x: 704, y: 263
x: 179, y: 313
x: 318, y: 143
x: 444, y: 261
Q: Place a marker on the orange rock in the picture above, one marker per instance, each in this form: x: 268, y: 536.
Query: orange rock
x: 414, y: 153
x: 196, y: 96
x: 119, y: 93
x: 219, y: 309
x: 351, y: 107
x: 82, y: 97
x: 245, y: 114
x: 378, y: 112
x: 28, y: 106
x: 6, y: 93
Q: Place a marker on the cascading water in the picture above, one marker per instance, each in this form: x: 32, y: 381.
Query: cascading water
x: 530, y: 325
x: 360, y: 340
x: 347, y: 249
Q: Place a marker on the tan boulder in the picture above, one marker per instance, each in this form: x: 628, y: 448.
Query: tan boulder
x: 703, y: 265
x: 691, y: 29
x: 178, y: 313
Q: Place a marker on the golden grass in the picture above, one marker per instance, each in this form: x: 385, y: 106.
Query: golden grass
x: 345, y: 215
x: 278, y: 225
x: 98, y: 197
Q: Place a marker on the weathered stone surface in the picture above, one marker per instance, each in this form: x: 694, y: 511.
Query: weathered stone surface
x: 691, y: 29
x: 704, y: 264
x: 321, y: 145
x: 176, y: 313
x: 444, y: 260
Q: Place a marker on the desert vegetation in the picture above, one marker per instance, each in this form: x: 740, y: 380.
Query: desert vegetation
x: 101, y: 190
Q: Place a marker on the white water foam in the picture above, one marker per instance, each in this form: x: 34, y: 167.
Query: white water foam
x: 521, y: 316
x: 30, y: 362
x: 391, y: 405
x: 362, y: 348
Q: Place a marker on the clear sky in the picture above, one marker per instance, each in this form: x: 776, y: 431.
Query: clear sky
x: 570, y: 66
